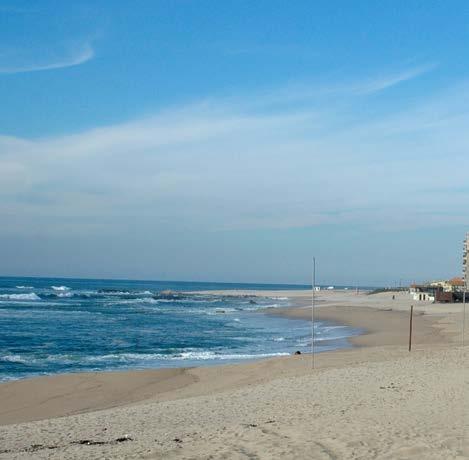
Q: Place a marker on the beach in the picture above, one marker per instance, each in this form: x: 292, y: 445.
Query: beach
x: 374, y: 400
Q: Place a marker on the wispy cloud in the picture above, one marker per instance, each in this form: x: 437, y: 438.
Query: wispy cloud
x: 217, y: 177
x: 318, y: 92
x: 382, y: 83
x: 218, y: 165
x: 79, y: 55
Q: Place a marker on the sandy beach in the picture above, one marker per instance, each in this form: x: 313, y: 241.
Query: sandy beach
x: 374, y: 400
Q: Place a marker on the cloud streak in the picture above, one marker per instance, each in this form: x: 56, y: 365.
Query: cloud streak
x: 221, y: 166
x: 382, y: 83
x: 316, y: 92
x: 80, y: 55
x: 225, y: 186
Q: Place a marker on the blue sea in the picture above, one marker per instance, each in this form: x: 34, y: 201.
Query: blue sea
x: 53, y: 325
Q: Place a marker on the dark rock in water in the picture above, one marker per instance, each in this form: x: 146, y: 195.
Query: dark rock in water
x: 168, y: 295
x: 238, y: 296
x: 252, y: 302
x: 297, y: 352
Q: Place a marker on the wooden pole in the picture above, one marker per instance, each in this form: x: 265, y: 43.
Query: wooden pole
x: 410, y: 326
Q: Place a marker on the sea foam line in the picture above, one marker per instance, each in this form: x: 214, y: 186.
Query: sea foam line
x: 133, y: 357
x: 30, y: 296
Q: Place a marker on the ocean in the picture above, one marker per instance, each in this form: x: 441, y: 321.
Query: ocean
x: 53, y: 325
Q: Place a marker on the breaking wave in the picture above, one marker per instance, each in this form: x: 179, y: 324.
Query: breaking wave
x: 63, y: 325
x: 138, y: 357
x: 30, y: 296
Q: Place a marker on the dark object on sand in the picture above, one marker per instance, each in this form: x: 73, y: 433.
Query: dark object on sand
x: 124, y: 438
x: 89, y: 442
x: 297, y: 352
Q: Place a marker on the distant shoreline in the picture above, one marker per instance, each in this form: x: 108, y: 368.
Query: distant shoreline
x: 381, y: 319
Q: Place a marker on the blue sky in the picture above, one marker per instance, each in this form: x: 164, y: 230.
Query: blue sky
x: 233, y: 140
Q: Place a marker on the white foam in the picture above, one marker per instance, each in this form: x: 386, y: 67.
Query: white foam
x: 331, y: 328
x: 138, y: 301
x: 184, y: 356
x: 24, y: 287
x: 13, y: 359
x: 30, y: 296
x: 210, y: 355
x: 8, y: 378
x: 331, y: 338
x: 60, y: 288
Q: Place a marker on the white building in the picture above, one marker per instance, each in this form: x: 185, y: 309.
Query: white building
x: 423, y: 297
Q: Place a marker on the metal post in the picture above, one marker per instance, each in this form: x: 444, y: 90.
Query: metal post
x: 410, y: 327
x: 464, y: 312
x: 465, y: 275
x: 313, y: 298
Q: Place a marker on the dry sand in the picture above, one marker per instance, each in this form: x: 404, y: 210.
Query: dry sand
x: 373, y: 401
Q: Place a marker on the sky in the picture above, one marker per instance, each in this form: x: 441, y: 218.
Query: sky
x: 233, y: 141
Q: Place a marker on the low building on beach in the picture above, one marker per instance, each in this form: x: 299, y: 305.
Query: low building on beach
x: 447, y: 291
x: 422, y: 292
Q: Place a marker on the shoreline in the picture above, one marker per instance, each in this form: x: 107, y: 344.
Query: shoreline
x: 377, y: 326
x: 373, y: 400
x: 75, y: 393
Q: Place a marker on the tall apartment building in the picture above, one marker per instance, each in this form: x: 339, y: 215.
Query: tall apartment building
x: 465, y: 262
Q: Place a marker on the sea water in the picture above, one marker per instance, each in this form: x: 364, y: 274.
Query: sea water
x: 50, y: 326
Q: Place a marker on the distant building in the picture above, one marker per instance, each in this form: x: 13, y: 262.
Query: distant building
x: 453, y: 285
x: 438, y: 291
x: 456, y: 284
x: 423, y: 292
x: 449, y: 291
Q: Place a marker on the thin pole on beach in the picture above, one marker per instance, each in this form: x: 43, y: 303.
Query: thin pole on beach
x: 464, y: 312
x: 313, y: 299
x: 410, y: 326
